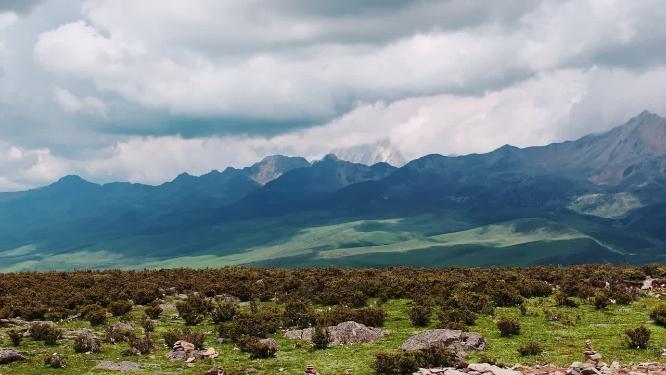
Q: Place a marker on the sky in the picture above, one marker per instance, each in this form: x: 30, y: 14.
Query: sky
x: 142, y: 90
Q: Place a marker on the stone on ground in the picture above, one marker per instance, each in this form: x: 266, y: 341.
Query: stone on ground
x: 124, y: 366
x: 10, y: 355
x: 463, y: 342
x: 342, y: 334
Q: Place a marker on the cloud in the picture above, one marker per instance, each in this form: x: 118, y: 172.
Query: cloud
x: 143, y: 90
x: 71, y: 103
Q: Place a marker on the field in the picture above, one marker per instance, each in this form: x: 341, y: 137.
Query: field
x: 560, y: 330
x: 314, y: 241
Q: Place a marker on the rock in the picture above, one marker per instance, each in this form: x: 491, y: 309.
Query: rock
x: 215, y: 371
x: 120, y: 326
x: 209, y: 353
x: 182, y: 345
x: 486, y: 368
x: 272, y: 344
x: 590, y: 355
x: 462, y: 341
x: 341, y: 334
x: 124, y: 366
x: 72, y: 334
x: 647, y: 283
x: 10, y: 355
x: 311, y: 370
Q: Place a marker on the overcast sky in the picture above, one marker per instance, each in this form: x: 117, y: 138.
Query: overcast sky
x: 141, y: 90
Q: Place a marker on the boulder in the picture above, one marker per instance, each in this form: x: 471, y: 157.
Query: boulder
x: 488, y: 369
x: 341, y: 334
x: 464, y: 342
x: 10, y: 355
x: 124, y: 366
x: 271, y: 343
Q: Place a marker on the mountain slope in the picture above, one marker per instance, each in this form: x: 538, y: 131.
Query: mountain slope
x: 602, y: 195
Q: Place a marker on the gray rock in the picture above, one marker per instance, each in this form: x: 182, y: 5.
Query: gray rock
x: 486, y: 368
x: 10, y: 355
x: 341, y: 334
x: 459, y: 340
x: 271, y: 343
x: 124, y: 366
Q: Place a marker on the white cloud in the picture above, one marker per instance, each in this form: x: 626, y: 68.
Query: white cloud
x: 71, y: 103
x: 22, y: 168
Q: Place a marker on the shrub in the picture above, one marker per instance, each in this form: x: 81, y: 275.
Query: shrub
x: 97, y: 316
x: 420, y: 315
x: 153, y: 310
x: 147, y: 324
x: 454, y: 325
x: 224, y: 312
x: 534, y: 288
x: 118, y: 334
x: 142, y: 345
x: 55, y: 360
x: 530, y: 348
x: 321, y: 338
x: 46, y: 332
x: 561, y: 299
x: 601, y: 299
x: 623, y: 296
x: 505, y: 295
x: 638, y: 337
x: 87, y: 343
x: 120, y: 308
x: 193, y: 309
x: 33, y: 311
x: 472, y: 301
x: 659, y: 315
x: 299, y: 314
x: 15, y: 337
x: 405, y: 363
x: 462, y: 315
x: 247, y: 324
x: 508, y: 326
x: 370, y: 316
x: 196, y: 338
x: 257, y: 348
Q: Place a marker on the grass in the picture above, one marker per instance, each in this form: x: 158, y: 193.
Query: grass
x: 563, y: 342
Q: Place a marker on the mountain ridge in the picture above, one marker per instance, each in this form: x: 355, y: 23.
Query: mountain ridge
x: 607, y: 186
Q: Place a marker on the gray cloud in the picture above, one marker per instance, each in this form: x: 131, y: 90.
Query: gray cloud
x: 93, y: 86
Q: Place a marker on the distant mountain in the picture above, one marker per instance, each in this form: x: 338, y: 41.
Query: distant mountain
x: 600, y: 198
x: 372, y: 153
x: 272, y: 167
x: 328, y: 175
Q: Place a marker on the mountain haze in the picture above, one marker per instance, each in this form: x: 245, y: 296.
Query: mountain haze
x: 600, y: 198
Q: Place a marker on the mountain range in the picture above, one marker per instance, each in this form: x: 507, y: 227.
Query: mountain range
x: 601, y: 198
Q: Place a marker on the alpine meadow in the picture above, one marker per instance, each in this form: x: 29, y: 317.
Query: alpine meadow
x: 425, y: 187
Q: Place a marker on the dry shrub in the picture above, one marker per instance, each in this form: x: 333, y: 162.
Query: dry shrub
x: 508, y: 326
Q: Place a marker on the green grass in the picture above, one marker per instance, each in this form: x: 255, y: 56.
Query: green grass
x: 563, y: 342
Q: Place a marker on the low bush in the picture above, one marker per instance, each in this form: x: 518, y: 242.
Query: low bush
x: 15, y: 337
x: 147, y: 324
x: 637, y: 338
x: 261, y: 324
x: 46, y: 332
x: 370, y: 316
x: 299, y: 314
x: 118, y: 334
x: 256, y: 348
x: 508, y: 326
x: 321, y: 338
x: 143, y: 345
x: 461, y: 315
x: 224, y: 312
x: 87, y: 343
x: 530, y: 348
x: 624, y: 296
x: 601, y: 299
x: 193, y: 310
x: 55, y: 360
x: 120, y: 308
x: 153, y: 310
x: 561, y: 299
x: 405, y: 363
x: 420, y: 315
x: 196, y: 338
x: 659, y: 315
